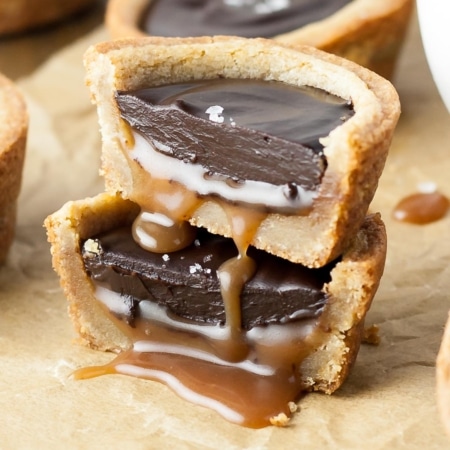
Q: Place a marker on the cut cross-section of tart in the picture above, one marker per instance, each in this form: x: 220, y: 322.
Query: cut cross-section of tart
x: 298, y: 329
x: 276, y: 147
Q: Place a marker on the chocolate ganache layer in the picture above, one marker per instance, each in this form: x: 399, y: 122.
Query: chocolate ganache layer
x: 239, y: 129
x: 185, y: 282
x: 246, y: 18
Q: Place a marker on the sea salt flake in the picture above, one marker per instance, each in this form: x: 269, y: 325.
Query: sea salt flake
x: 207, y: 258
x: 195, y: 268
x: 215, y: 114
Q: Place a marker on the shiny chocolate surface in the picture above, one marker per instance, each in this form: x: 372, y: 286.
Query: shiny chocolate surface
x: 240, y: 129
x: 247, y: 18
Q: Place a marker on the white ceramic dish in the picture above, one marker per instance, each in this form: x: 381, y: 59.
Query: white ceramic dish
x: 434, y: 20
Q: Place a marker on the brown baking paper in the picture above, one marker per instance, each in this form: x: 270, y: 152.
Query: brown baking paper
x: 388, y: 402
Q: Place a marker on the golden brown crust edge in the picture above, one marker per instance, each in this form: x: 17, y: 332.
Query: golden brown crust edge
x: 13, y: 135
x: 356, y: 151
x: 443, y: 378
x: 73, y: 223
x: 22, y: 15
x: 368, y: 32
x: 354, y: 283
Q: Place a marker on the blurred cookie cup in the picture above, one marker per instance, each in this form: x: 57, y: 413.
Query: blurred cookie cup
x: 18, y: 16
x: 13, y: 134
x: 368, y: 32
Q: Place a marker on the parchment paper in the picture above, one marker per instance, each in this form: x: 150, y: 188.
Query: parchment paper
x: 388, y: 402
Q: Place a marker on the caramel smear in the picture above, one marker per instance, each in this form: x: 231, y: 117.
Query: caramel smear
x: 238, y: 395
x: 422, y: 208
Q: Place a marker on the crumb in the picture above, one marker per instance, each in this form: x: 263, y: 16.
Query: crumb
x: 371, y: 336
x: 281, y: 420
x: 91, y: 246
x: 293, y: 407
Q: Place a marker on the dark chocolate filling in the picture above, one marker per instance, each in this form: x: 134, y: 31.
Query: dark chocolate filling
x: 266, y: 125
x: 258, y: 18
x: 186, y: 284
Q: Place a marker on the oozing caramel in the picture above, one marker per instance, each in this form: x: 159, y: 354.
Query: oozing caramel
x: 235, y: 272
x: 247, y: 384
x: 248, y: 376
x: 158, y: 233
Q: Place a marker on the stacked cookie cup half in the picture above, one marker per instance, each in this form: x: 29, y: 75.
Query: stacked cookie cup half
x: 231, y: 255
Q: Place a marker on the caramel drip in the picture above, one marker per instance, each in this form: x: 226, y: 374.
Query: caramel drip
x: 234, y: 273
x: 159, y: 234
x: 167, y: 201
x: 176, y: 205
x: 422, y: 208
x: 248, y: 377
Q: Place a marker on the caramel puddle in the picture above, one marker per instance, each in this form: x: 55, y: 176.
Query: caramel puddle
x: 422, y: 208
x: 239, y: 396
x: 249, y: 392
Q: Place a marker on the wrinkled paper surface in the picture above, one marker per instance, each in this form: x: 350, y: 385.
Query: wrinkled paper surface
x: 387, y: 402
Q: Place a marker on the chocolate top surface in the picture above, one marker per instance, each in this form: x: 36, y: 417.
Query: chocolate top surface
x: 241, y: 129
x: 247, y: 18
x: 185, y: 282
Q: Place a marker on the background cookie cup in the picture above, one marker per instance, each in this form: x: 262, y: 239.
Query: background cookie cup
x: 368, y: 32
x: 22, y: 15
x: 13, y: 135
